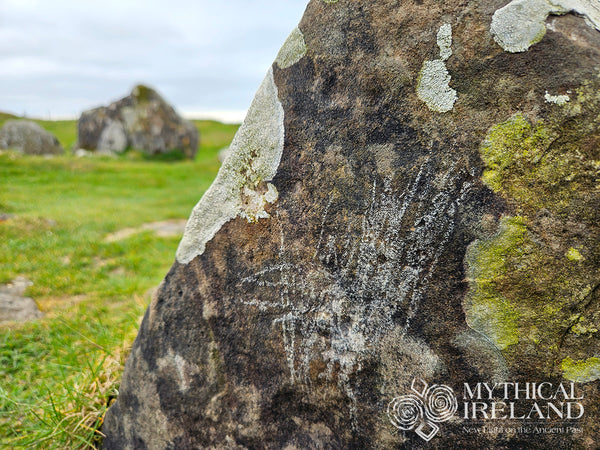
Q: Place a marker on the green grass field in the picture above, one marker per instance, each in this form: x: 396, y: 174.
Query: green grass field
x: 59, y: 374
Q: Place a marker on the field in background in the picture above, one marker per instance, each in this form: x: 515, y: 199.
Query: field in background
x: 58, y: 374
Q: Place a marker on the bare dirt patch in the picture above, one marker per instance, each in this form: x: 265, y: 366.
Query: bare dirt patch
x: 164, y: 228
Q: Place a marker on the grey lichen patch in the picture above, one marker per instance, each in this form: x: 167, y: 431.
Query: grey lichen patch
x: 444, y: 41
x: 292, y: 51
x: 433, y: 85
x: 559, y: 100
x: 522, y: 23
x: 239, y: 189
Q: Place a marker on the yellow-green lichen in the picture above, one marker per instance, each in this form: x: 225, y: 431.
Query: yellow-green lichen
x: 523, y: 295
x: 546, y: 164
x: 487, y: 310
x: 535, y: 285
x: 583, y: 327
x: 573, y: 254
x: 581, y: 371
x: 513, y: 147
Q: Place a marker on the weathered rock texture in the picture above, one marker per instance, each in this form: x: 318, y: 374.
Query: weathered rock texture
x: 406, y: 199
x: 14, y: 306
x: 143, y: 120
x: 28, y: 137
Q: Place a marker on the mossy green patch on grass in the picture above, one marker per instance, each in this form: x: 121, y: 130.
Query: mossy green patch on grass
x: 59, y: 374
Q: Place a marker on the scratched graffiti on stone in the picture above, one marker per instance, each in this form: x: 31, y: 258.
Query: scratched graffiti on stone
x: 341, y: 303
x: 409, y: 232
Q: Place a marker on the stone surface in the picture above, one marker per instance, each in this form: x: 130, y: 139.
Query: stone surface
x: 28, y: 137
x: 14, y: 307
x: 375, y: 239
x: 223, y: 153
x: 143, y: 120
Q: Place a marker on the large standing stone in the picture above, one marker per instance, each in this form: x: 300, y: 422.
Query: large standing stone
x: 28, y: 137
x: 143, y: 120
x: 411, y: 204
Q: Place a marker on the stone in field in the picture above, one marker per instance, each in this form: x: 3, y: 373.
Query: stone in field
x: 410, y: 209
x: 28, y: 137
x: 143, y: 120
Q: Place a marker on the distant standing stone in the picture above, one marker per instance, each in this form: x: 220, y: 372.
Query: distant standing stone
x: 143, y: 120
x: 28, y: 137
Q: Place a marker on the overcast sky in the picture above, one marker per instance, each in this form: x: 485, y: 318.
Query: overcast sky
x: 60, y: 57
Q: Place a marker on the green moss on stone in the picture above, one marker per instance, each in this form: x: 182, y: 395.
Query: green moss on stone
x: 534, y: 285
x: 488, y: 311
x: 143, y: 93
x: 573, y: 255
x: 583, y: 327
x: 511, y: 150
x: 581, y: 371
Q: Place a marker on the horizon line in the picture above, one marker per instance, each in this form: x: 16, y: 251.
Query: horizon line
x: 229, y: 116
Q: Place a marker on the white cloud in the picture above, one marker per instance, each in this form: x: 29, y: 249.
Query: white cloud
x: 62, y: 56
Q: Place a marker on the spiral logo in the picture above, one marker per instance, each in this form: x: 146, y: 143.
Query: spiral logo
x: 421, y: 410
x: 441, y: 403
x: 404, y: 412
